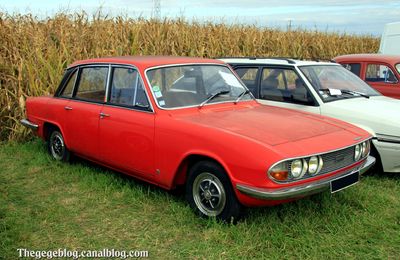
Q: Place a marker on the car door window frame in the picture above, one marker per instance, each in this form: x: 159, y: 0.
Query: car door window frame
x: 381, y: 64
x: 257, y: 79
x: 314, y: 103
x: 77, y: 82
x: 109, y: 86
x: 64, y: 82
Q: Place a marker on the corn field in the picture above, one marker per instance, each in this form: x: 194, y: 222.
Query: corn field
x: 34, y: 52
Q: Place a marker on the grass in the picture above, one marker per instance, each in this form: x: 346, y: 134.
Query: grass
x: 34, y: 52
x: 46, y: 205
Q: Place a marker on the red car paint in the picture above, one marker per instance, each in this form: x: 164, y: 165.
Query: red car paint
x: 388, y: 88
x: 245, y: 138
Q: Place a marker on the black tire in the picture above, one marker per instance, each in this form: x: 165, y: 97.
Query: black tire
x: 56, y: 146
x: 210, y: 194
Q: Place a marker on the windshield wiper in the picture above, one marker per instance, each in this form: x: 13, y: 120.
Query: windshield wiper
x: 345, y: 91
x: 351, y: 92
x: 212, y: 96
x: 241, y: 95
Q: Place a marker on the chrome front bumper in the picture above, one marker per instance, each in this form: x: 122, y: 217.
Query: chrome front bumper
x: 29, y: 124
x: 302, y: 190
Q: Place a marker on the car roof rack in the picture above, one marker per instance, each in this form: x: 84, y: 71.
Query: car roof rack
x: 289, y: 60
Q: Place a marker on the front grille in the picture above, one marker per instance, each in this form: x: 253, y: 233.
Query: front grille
x: 336, y: 160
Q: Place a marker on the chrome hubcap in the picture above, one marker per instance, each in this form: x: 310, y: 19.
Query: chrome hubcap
x: 209, y: 194
x: 57, y: 146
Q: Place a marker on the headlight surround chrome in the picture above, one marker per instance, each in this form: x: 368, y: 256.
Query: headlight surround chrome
x: 315, y: 164
x: 357, y: 152
x: 298, y: 168
x: 306, y: 167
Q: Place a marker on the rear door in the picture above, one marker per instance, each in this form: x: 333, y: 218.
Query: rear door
x: 126, y: 127
x: 83, y: 111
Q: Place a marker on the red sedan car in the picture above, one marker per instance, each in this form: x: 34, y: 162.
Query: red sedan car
x: 380, y: 71
x: 188, y: 121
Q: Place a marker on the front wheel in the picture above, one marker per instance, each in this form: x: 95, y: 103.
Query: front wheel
x: 210, y: 193
x: 57, y: 147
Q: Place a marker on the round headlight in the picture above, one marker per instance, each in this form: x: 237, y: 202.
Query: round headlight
x: 298, y: 168
x: 357, y: 152
x: 367, y: 147
x: 313, y: 165
x: 363, y: 148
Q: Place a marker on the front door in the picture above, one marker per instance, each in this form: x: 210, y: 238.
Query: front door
x: 126, y: 128
x: 383, y: 78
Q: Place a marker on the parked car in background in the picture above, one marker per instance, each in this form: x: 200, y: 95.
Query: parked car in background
x: 382, y: 72
x: 188, y: 121
x: 326, y: 88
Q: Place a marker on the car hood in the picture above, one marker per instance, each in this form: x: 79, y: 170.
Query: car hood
x: 270, y: 125
x: 378, y: 114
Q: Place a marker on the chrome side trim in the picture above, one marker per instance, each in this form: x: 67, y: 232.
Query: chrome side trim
x: 29, y: 124
x: 388, y: 138
x: 301, y: 190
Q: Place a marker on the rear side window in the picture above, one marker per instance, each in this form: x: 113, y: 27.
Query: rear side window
x: 92, y: 84
x: 353, y: 67
x: 380, y: 73
x: 69, y: 87
x: 127, y: 88
x: 249, y: 78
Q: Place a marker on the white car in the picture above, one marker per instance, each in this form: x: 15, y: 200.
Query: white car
x: 328, y: 89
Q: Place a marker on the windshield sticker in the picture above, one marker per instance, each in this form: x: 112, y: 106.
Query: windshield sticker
x: 156, y: 88
x: 230, y: 79
x: 157, y: 94
x: 161, y: 102
x: 335, y: 92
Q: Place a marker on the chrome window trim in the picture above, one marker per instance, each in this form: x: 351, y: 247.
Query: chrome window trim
x: 191, y: 64
x: 316, y: 154
x: 79, y: 76
x: 108, y: 83
x: 106, y: 103
x: 151, y: 108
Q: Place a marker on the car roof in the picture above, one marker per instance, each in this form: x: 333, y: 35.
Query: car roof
x: 146, y: 61
x: 369, y: 57
x: 274, y: 61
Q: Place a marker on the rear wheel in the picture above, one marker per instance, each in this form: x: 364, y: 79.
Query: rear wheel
x: 56, y: 146
x: 210, y: 193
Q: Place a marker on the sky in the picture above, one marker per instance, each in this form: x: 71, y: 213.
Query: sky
x: 359, y: 17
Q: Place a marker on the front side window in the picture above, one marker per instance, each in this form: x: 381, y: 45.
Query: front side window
x: 249, y: 78
x: 92, y: 84
x: 69, y: 87
x: 334, y: 82
x: 353, y: 67
x: 191, y: 85
x: 283, y: 84
x: 380, y: 73
x: 127, y: 88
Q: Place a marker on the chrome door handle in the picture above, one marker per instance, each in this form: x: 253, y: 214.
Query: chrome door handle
x: 68, y: 108
x: 103, y: 115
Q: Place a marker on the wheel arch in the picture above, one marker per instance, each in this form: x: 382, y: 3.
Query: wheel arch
x: 48, y: 127
x: 189, y: 160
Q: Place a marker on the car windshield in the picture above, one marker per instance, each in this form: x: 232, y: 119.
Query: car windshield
x: 195, y: 85
x: 398, y: 67
x: 333, y: 82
